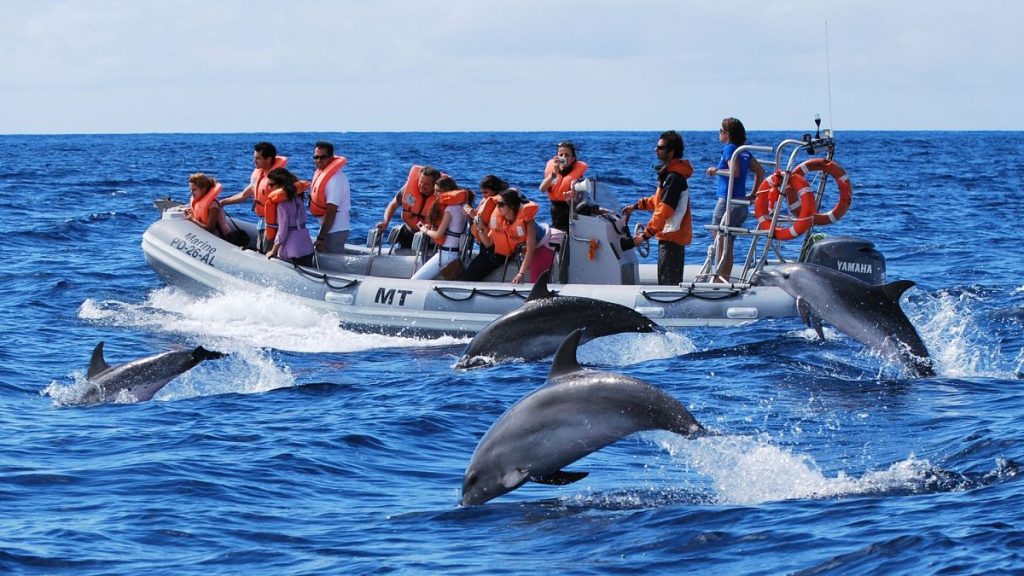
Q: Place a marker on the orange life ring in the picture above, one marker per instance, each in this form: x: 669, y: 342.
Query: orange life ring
x: 838, y: 173
x: 799, y: 196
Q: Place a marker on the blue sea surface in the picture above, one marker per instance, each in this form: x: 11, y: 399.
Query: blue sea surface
x: 313, y: 450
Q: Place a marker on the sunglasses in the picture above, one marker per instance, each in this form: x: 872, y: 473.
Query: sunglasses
x: 500, y: 204
x: 317, y: 157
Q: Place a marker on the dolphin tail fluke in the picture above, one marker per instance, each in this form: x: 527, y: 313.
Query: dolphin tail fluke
x: 560, y: 478
x: 565, y: 358
x: 540, y: 287
x: 200, y: 354
x: 97, y: 364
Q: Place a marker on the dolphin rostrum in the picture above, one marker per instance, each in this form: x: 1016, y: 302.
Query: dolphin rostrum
x: 139, y: 379
x: 868, y: 313
x: 576, y: 412
x: 535, y: 329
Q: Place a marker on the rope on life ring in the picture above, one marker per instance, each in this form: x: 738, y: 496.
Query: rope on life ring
x: 799, y: 196
x: 838, y: 173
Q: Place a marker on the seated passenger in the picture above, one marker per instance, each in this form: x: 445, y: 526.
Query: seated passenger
x: 415, y: 197
x: 292, y: 241
x: 512, y: 225
x: 205, y: 209
x: 447, y: 224
x: 490, y: 187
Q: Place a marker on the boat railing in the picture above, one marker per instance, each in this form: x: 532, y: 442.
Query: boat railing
x: 785, y: 154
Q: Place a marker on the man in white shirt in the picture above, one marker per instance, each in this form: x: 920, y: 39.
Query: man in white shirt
x: 330, y: 199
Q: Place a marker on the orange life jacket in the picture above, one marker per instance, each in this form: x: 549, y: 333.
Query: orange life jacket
x: 508, y: 235
x: 318, y: 198
x: 274, y: 198
x: 483, y: 214
x: 666, y: 224
x: 446, y: 199
x: 201, y: 209
x: 558, y: 190
x: 414, y: 206
x: 258, y: 180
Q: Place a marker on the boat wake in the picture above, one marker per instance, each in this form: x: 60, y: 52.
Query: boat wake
x: 238, y: 321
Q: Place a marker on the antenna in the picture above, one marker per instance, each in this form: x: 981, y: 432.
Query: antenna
x: 828, y: 78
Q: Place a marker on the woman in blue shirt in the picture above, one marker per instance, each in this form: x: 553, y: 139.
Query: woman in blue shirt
x: 733, y: 135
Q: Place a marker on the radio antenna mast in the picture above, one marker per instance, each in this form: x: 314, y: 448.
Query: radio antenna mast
x: 828, y: 78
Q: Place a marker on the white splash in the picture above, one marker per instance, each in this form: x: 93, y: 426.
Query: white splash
x: 262, y: 319
x: 958, y: 347
x: 749, y: 471
x: 633, y: 348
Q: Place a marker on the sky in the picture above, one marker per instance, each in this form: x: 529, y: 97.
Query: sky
x: 138, y: 66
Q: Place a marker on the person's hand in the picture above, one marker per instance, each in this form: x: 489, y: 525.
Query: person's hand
x: 382, y: 225
x: 319, y: 245
x: 638, y: 239
x: 711, y: 170
x: 627, y: 211
x: 518, y: 278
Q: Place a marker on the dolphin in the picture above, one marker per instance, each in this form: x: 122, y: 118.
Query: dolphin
x: 868, y: 313
x: 535, y: 329
x: 141, y: 378
x: 576, y: 412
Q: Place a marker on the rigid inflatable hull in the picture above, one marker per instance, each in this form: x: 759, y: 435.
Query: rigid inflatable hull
x: 188, y: 257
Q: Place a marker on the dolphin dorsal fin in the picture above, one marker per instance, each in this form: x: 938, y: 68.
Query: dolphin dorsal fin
x: 896, y: 289
x: 540, y: 287
x: 97, y: 364
x: 565, y: 358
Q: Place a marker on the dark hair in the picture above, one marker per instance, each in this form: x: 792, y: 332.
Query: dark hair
x: 430, y: 172
x: 325, y: 146
x: 492, y: 182
x: 285, y: 179
x: 266, y: 149
x: 737, y: 133
x: 515, y: 199
x: 446, y: 184
x: 570, y: 145
x: 674, y: 141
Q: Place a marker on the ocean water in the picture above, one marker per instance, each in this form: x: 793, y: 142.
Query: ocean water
x: 312, y: 450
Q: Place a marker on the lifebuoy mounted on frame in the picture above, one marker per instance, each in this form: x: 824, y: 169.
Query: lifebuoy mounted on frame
x: 838, y: 173
x: 800, y: 197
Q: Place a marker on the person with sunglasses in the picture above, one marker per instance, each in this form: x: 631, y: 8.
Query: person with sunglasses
x: 733, y: 135
x: 330, y: 199
x: 559, y: 174
x: 671, y: 222
x: 415, y: 197
x: 512, y: 225
x: 490, y: 187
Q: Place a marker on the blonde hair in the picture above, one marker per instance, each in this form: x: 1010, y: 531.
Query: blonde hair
x: 202, y: 181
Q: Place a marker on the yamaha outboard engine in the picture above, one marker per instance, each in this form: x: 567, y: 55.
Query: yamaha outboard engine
x: 854, y: 256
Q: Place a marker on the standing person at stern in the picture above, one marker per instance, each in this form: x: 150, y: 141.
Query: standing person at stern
x: 671, y: 222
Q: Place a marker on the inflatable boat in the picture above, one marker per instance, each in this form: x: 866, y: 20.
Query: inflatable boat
x: 369, y: 286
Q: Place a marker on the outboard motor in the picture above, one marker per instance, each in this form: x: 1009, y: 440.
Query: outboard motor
x: 854, y: 256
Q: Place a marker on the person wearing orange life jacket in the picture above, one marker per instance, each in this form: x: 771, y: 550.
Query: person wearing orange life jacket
x: 265, y: 159
x: 330, y: 199
x: 204, y: 209
x: 671, y: 222
x: 415, y: 197
x: 559, y: 174
x: 447, y: 225
x: 512, y: 225
x: 490, y: 187
x: 274, y: 197
x: 292, y: 242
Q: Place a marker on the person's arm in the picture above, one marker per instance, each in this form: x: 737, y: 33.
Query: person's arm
x: 237, y: 198
x: 442, y: 228
x: 284, y: 222
x: 550, y: 175
x: 325, y: 227
x: 755, y: 166
x: 389, y: 211
x: 531, y: 246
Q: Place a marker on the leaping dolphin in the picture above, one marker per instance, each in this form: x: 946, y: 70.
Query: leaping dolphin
x: 868, y: 313
x: 536, y: 329
x: 141, y: 378
x: 574, y: 413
